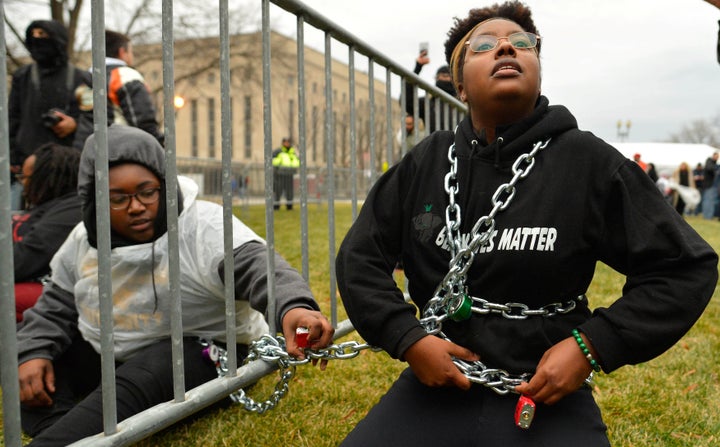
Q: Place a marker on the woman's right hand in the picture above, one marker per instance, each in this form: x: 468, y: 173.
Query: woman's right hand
x: 431, y: 360
x: 37, y: 382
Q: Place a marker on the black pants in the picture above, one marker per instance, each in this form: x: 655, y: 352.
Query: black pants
x: 283, y: 184
x: 412, y: 414
x: 142, y: 382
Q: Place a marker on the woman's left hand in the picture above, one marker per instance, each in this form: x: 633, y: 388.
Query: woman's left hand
x: 562, y: 370
x: 320, y: 331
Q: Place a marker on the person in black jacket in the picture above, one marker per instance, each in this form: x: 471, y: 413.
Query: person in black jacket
x: 49, y: 176
x: 46, y: 97
x: 435, y: 117
x: 710, y: 187
x: 499, y: 245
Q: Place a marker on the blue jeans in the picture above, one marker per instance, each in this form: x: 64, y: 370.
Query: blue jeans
x: 709, y: 199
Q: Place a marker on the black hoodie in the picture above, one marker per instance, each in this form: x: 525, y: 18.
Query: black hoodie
x: 582, y: 202
x: 29, y: 99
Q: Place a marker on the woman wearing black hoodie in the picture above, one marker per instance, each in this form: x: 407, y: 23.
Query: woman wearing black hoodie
x: 499, y: 226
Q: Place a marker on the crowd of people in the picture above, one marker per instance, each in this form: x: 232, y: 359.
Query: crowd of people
x: 50, y: 116
x: 691, y: 192
x: 55, y: 239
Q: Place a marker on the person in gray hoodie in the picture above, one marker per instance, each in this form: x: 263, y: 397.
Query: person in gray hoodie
x: 59, y: 340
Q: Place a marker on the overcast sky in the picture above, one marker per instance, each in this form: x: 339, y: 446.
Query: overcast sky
x: 649, y: 61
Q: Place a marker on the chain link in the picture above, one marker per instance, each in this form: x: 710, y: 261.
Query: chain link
x: 272, y: 350
x: 520, y: 311
x: 453, y: 287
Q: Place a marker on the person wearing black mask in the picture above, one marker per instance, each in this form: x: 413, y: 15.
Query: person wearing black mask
x: 443, y: 81
x: 46, y: 97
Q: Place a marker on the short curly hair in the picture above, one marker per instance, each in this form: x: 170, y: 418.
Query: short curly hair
x: 510, y: 10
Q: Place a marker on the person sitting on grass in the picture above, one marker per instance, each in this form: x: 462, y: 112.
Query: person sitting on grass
x: 52, y: 209
x: 59, y: 340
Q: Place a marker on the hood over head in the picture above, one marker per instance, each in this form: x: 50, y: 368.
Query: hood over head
x: 125, y: 145
x: 51, y: 52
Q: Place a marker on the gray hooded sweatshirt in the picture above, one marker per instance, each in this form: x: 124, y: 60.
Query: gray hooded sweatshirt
x: 141, y: 299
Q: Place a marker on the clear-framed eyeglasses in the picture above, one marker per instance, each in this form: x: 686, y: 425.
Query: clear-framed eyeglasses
x: 146, y: 197
x: 486, y: 42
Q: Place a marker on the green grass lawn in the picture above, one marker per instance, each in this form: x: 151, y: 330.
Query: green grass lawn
x: 673, y: 400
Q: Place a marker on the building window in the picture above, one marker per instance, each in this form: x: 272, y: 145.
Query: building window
x: 211, y: 78
x: 248, y: 127
x: 211, y: 127
x: 194, y: 128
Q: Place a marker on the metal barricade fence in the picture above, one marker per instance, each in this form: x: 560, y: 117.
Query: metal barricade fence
x: 318, y: 185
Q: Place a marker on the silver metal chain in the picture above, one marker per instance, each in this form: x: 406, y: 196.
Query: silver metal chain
x: 452, y: 292
x: 520, y: 311
x: 272, y: 350
x: 451, y: 289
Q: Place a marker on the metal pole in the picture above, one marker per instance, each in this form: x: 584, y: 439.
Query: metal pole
x: 371, y: 121
x: 330, y: 152
x: 267, y: 119
x: 302, y: 149
x: 353, y: 140
x: 227, y: 193
x: 8, y: 340
x: 176, y: 329
x: 102, y: 210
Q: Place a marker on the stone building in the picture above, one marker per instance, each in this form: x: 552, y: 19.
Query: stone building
x: 198, y: 121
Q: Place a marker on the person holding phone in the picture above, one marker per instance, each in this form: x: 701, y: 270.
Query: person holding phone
x: 443, y: 81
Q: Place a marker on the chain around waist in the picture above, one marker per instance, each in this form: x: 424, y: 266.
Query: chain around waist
x: 520, y: 311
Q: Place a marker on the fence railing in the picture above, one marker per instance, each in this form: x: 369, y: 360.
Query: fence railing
x: 248, y: 180
x: 224, y: 181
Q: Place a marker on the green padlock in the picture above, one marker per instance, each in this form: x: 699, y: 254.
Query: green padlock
x: 460, y: 307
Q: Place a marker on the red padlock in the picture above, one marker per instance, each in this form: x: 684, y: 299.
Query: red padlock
x: 301, y: 337
x: 524, y: 412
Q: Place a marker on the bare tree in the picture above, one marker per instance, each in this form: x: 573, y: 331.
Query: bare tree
x: 699, y: 132
x: 139, y: 19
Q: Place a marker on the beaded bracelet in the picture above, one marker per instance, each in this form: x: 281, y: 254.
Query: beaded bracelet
x: 586, y: 352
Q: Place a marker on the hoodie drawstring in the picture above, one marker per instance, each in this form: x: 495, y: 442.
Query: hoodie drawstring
x: 497, y: 152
